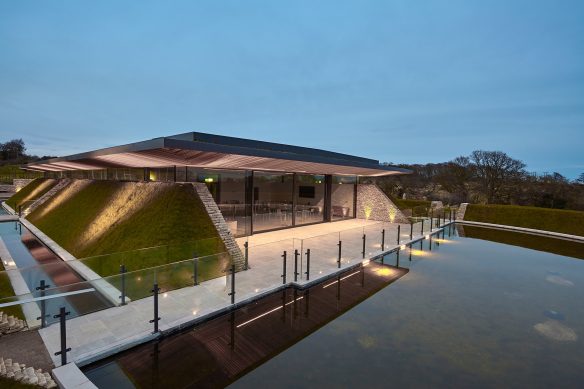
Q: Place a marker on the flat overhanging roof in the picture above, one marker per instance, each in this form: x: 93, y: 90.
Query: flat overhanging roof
x: 218, y: 152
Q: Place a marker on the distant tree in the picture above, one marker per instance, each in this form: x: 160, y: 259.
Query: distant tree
x: 580, y: 179
x: 455, y: 177
x: 13, y: 149
x: 494, y: 170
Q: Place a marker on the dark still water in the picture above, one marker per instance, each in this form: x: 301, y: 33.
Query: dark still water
x: 469, y: 312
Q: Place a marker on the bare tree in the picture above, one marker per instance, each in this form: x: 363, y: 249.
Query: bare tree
x: 455, y: 177
x: 495, y: 169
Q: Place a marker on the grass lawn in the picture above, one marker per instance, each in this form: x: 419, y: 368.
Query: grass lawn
x: 557, y: 220
x: 172, y: 226
x: 10, y: 172
x: 31, y: 192
x: 540, y: 243
x: 7, y: 291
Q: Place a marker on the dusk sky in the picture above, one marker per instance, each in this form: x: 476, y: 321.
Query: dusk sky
x: 398, y: 81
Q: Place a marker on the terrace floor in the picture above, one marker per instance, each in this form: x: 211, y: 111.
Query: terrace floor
x: 111, y: 330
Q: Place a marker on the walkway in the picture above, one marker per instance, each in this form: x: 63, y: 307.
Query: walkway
x: 109, y: 331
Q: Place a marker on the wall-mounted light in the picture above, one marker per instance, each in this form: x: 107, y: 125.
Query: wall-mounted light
x: 209, y: 179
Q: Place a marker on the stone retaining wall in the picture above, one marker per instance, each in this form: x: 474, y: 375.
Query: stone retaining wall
x: 461, y: 211
x: 220, y: 224
x: 373, y: 204
x: 25, y: 375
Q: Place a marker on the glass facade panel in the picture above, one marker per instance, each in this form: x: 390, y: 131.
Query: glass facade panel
x: 163, y: 174
x: 310, y: 198
x: 343, y: 197
x: 272, y: 200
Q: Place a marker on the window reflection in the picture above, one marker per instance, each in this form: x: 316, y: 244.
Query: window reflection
x: 309, y: 193
x: 272, y: 200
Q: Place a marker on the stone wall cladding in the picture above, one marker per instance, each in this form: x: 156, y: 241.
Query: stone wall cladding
x: 220, y: 224
x: 461, y: 211
x: 373, y: 204
x: 44, y: 198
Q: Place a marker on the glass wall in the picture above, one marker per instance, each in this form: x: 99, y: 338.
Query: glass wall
x: 343, y: 197
x: 310, y: 197
x: 228, y: 188
x: 272, y: 200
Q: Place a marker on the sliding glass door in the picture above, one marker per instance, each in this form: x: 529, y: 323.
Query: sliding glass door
x: 272, y: 200
x: 309, y: 195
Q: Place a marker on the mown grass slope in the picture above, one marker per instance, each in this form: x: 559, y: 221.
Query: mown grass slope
x: 115, y: 222
x: 7, y: 291
x: 31, y: 192
x: 557, y: 220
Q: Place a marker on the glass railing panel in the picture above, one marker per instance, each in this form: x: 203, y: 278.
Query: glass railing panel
x: 324, y: 255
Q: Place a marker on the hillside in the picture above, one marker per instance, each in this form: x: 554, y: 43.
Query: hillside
x: 557, y: 220
x: 113, y: 219
x: 30, y: 193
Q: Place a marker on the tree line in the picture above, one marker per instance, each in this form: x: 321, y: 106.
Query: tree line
x: 486, y: 177
x: 13, y: 152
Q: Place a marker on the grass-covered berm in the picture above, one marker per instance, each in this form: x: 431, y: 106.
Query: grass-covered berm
x: 31, y: 192
x: 547, y: 219
x: 144, y: 226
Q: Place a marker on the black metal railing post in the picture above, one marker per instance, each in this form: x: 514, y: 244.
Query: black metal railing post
x: 411, y: 230
x: 364, y: 243
x: 195, y: 271
x: 156, y: 319
x: 43, y: 318
x: 422, y: 230
x: 397, y: 257
x: 123, y: 277
x: 340, y: 244
x: 283, y: 268
x: 296, y: 254
x: 382, y: 239
x: 398, y: 232
x: 246, y: 252
x: 63, y: 327
x: 307, y: 272
x: 20, y: 211
x: 232, y: 294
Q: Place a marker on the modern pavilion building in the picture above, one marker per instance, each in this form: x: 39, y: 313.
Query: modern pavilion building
x: 258, y: 186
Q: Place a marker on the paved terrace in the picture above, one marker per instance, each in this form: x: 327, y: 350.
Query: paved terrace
x: 99, y: 334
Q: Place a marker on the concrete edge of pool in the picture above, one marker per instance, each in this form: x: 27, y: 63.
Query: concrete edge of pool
x: 534, y: 231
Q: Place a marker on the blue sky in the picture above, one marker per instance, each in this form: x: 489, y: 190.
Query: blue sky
x: 398, y: 81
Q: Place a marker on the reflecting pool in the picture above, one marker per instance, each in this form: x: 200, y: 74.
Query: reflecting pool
x: 462, y: 310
